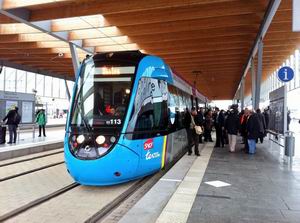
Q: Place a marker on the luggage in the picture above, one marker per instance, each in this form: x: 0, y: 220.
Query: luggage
x: 2, y: 134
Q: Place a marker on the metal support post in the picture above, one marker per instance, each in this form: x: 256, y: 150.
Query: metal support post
x: 259, y: 74
x: 289, y: 145
x: 285, y: 123
x: 253, y: 78
x: 75, y: 59
x: 67, y: 90
x: 33, y: 130
x: 242, y: 93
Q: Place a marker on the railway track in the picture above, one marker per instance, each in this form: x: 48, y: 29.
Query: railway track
x: 30, y: 171
x: 71, y: 202
x: 21, y: 167
x: 3, y: 164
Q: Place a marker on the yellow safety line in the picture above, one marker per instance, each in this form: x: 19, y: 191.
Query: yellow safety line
x: 164, y: 152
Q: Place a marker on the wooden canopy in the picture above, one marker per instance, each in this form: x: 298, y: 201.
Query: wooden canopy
x: 211, y: 38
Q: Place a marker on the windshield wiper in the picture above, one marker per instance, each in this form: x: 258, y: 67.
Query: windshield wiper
x: 86, y: 125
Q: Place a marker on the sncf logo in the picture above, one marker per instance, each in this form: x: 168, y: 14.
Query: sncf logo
x: 148, y: 144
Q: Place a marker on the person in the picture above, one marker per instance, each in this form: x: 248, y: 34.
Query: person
x: 263, y: 127
x: 243, y: 128
x: 208, y: 123
x: 219, y: 126
x: 224, y: 132
x: 41, y: 120
x: 267, y: 117
x: 194, y: 137
x: 253, y: 129
x: 13, y: 120
x: 232, y: 125
x: 201, y: 120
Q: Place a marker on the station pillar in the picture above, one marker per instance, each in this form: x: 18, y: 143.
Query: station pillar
x: 259, y: 74
x: 242, y: 93
x: 75, y: 58
x: 253, y: 82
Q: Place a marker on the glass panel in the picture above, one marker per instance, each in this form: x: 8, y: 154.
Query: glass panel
x: 21, y: 81
x: 62, y: 89
x: 40, y: 84
x: 10, y: 75
x: 56, y: 86
x: 150, y: 109
x: 2, y: 79
x: 48, y: 86
x: 30, y: 82
x: 101, y: 99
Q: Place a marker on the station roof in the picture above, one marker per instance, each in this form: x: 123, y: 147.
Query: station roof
x: 212, y: 38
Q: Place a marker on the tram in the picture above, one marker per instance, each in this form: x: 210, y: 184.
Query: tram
x: 126, y: 118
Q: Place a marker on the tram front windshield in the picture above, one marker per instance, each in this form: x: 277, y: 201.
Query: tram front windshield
x: 102, y: 95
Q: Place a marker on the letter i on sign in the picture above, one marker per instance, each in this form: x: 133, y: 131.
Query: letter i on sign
x: 285, y: 75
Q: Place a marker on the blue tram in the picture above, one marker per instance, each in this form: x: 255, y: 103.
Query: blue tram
x: 126, y: 118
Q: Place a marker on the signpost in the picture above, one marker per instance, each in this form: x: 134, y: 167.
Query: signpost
x: 286, y: 74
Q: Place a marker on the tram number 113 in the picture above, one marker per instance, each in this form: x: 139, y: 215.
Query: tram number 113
x: 115, y: 122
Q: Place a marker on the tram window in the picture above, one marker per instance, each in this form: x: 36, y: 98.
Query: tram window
x: 173, y: 108
x: 150, y: 112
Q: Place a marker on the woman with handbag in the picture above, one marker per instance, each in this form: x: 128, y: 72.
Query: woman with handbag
x: 194, y: 131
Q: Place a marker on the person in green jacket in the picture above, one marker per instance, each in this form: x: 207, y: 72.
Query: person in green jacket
x: 41, y: 120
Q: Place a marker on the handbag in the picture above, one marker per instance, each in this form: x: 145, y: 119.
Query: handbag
x: 197, y: 128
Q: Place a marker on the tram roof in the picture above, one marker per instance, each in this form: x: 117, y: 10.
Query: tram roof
x: 212, y: 38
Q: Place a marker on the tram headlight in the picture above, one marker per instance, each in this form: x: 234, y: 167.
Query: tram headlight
x: 112, y: 139
x: 80, y: 139
x: 100, y: 140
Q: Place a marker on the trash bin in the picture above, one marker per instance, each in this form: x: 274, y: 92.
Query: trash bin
x: 289, y: 145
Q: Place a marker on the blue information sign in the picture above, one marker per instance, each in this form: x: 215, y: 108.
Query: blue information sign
x: 285, y: 74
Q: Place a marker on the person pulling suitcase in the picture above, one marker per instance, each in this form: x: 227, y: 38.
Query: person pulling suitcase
x: 13, y: 120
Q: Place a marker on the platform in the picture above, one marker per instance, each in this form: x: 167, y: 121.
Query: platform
x: 28, y: 145
x: 257, y: 188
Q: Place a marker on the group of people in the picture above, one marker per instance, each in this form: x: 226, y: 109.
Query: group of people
x: 13, y: 119
x: 251, y: 125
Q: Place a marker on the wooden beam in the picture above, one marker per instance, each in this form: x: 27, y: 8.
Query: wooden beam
x: 185, y: 13
x: 12, y: 4
x: 106, y: 7
x: 189, y: 25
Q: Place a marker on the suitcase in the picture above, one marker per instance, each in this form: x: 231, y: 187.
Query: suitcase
x: 2, y: 134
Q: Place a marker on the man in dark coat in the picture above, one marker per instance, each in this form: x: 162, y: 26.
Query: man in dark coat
x: 243, y: 127
x: 263, y: 126
x: 201, y: 122
x: 267, y: 117
x: 219, y: 126
x: 191, y: 119
x: 232, y: 125
x: 253, y: 130
x: 13, y: 119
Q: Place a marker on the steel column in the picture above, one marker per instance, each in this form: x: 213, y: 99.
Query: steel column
x: 75, y: 59
x: 253, y: 80
x: 67, y: 90
x: 259, y: 74
x: 270, y: 13
x: 242, y: 94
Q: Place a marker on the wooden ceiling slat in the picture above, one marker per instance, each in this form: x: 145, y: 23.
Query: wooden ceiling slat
x: 189, y: 25
x: 93, y: 7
